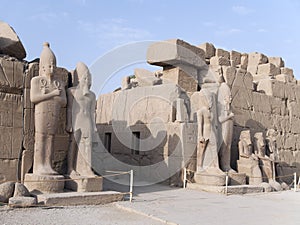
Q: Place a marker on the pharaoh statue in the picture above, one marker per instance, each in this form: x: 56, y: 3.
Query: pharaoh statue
x: 204, y: 127
x: 225, y: 117
x: 272, y: 148
x: 248, y: 162
x: 48, y: 95
x: 265, y: 162
x: 81, y: 123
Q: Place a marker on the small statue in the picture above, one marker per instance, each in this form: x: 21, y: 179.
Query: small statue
x: 272, y: 144
x: 248, y: 162
x: 265, y: 162
x: 81, y: 123
x: 48, y: 94
x: 245, y: 144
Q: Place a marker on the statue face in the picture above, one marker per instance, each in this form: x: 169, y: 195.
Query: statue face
x: 49, y: 69
x: 85, y: 79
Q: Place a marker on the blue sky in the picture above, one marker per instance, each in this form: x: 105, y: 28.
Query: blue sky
x: 84, y: 30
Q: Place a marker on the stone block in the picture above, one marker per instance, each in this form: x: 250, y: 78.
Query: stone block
x: 80, y: 198
x: 6, y: 110
x: 272, y: 88
x: 241, y: 98
x: 6, y: 142
x: 243, y: 79
x: 181, y: 78
x: 17, y: 139
x: 22, y: 202
x: 255, y: 59
x: 237, y: 178
x: 287, y: 71
x: 43, y: 183
x: 275, y: 185
x: 33, y: 70
x: 62, y: 74
x: 209, y: 179
x: 209, y: 50
x: 6, y: 191
x: 8, y: 169
x: 146, y: 78
x: 261, y: 102
x: 84, y: 184
x: 10, y: 43
x: 28, y: 141
x: 295, y: 128
x: 268, y: 69
x: 229, y: 74
x: 244, y: 61
x: 241, y: 117
x: 172, y: 52
x: 250, y: 167
x: 27, y: 103
x: 21, y: 190
x: 235, y: 58
x: 277, y: 61
x: 277, y: 106
x: 284, y: 78
x: 13, y: 72
x: 266, y: 186
x: 222, y: 53
x: 219, y: 60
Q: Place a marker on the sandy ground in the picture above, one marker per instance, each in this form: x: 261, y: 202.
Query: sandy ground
x: 159, y: 204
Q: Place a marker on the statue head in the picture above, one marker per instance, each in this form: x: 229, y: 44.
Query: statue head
x: 47, y: 61
x: 245, y: 136
x: 84, y: 75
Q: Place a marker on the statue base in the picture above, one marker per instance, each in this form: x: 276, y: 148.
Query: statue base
x: 208, y: 178
x: 84, y: 184
x: 44, y: 183
x: 237, y: 178
x: 250, y: 167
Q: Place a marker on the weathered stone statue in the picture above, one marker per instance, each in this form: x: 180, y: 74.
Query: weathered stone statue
x: 265, y: 162
x: 225, y: 117
x: 81, y: 123
x: 82, y: 128
x: 204, y: 128
x: 248, y: 162
x: 48, y: 95
x: 272, y: 144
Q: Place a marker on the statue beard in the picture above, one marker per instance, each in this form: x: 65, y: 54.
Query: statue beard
x: 85, y: 89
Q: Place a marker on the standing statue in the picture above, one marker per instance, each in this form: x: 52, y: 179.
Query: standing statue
x: 48, y: 94
x: 81, y: 123
x: 265, y: 162
x: 272, y: 147
x: 225, y: 117
x: 204, y: 127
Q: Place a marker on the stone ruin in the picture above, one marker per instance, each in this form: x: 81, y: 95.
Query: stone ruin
x: 154, y: 119
x: 264, y: 97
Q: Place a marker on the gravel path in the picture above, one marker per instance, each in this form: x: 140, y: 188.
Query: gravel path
x: 87, y: 215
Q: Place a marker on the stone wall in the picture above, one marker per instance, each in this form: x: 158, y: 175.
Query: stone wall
x: 265, y: 95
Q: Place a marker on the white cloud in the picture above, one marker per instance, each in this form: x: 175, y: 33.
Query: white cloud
x: 114, y: 31
x: 261, y: 30
x: 241, y: 10
x: 230, y: 31
x: 208, y: 24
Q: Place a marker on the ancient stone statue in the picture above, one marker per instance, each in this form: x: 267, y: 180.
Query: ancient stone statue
x: 204, y: 127
x: 245, y: 144
x: 225, y: 117
x: 48, y: 95
x: 271, y: 143
x: 265, y: 162
x: 81, y: 123
x: 248, y: 162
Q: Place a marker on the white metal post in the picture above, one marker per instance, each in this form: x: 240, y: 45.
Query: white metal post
x: 295, y: 182
x: 131, y: 185
x: 184, y: 177
x: 226, y: 183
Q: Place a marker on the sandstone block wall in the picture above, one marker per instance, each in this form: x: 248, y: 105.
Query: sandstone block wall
x: 265, y: 95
